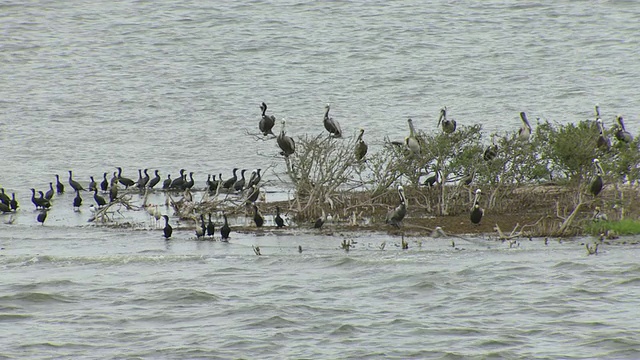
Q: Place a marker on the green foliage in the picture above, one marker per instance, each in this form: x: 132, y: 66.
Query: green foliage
x: 622, y: 227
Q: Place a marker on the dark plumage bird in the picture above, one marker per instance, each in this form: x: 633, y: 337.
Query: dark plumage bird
x: 49, y: 194
x: 188, y: 184
x: 255, y: 178
x: 92, y: 184
x: 4, y: 198
x: 448, y: 126
x: 476, y: 210
x: 278, y: 219
x: 123, y: 180
x: 59, y: 186
x: 266, y: 122
x: 104, y: 184
x: 13, y: 204
x: 621, y: 133
x: 332, y: 126
x: 211, y: 228
x: 4, y: 208
x: 286, y: 143
x: 257, y: 216
x: 411, y: 141
x: 144, y: 180
x: 177, y: 183
x: 252, y: 194
x: 77, y: 201
x: 602, y: 142
x: 74, y: 184
x: 395, y: 217
x: 113, y: 192
x: 596, y: 183
x: 432, y: 180
x: 44, y: 203
x: 200, y: 228
x: 525, y: 130
x: 227, y: 184
x: 320, y: 221
x: 34, y: 200
x: 492, y: 150
x: 100, y: 201
x: 167, y: 182
x: 42, y: 216
x: 239, y: 184
x: 168, y: 230
x: 225, y: 230
x: 156, y: 179
x: 361, y: 146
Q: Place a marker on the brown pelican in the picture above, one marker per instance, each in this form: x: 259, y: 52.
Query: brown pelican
x: 448, y: 126
x: 266, y: 122
x: 285, y: 142
x: 433, y: 179
x: 395, y: 217
x: 168, y: 230
x: 411, y: 141
x: 525, y: 130
x: 361, y: 147
x: 621, y: 133
x: 596, y: 182
x: 332, y: 126
x: 492, y: 150
x: 603, y: 141
x: 476, y: 210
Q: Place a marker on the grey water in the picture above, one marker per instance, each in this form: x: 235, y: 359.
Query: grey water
x: 88, y: 86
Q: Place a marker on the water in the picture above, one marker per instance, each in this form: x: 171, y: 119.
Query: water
x: 91, y: 86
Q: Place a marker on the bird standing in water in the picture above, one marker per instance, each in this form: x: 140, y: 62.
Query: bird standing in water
x: 395, y: 217
x: 168, y: 230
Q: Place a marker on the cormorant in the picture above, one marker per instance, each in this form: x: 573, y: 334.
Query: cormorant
x: 278, y: 219
x: 239, y: 184
x: 13, y: 204
x: 77, y: 201
x: 153, y: 182
x: 257, y: 217
x: 92, y: 184
x: 99, y: 199
x: 167, y: 182
x: 168, y: 230
x: 59, y: 186
x: 210, y: 227
x: 123, y: 180
x: 104, y: 185
x: 225, y: 230
x: 74, y: 184
x: 266, y: 122
x: 42, y: 216
x: 227, y: 184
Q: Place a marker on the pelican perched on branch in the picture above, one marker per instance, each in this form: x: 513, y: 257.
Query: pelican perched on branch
x: 332, y: 126
x: 412, y: 141
x: 476, y: 210
x: 396, y: 216
x: 525, y: 130
x: 266, y: 122
x: 448, y: 126
x: 492, y: 150
x: 603, y: 141
x: 621, y: 133
x: 361, y: 147
x: 596, y: 182
x: 285, y: 142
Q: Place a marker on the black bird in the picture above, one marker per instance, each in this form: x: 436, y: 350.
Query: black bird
x: 253, y: 194
x: 210, y: 227
x: 332, y: 126
x: 278, y: 219
x: 177, y: 183
x: 168, y: 230
x: 4, y: 208
x: 4, y: 198
x: 92, y: 184
x: 100, y: 201
x: 266, y: 122
x: 212, y: 184
x: 227, y: 184
x: 621, y: 133
x: 257, y: 217
x: 596, y: 182
x: 13, y: 204
x: 153, y: 182
x: 200, y: 229
x: 361, y: 146
x: 286, y: 143
x: 395, y: 217
x: 476, y: 210
x: 77, y: 201
x: 59, y: 186
x: 448, y: 126
x: 255, y: 178
x: 492, y: 150
x: 113, y: 192
x: 42, y: 216
x: 145, y: 179
x: 123, y: 180
x: 167, y: 182
x: 320, y: 221
x: 603, y: 141
x: 188, y: 184
x: 525, y: 130
x: 49, y: 194
x: 34, y: 200
x: 137, y: 183
x: 432, y: 180
x: 44, y: 203
x: 225, y: 230
x: 239, y: 184
x: 74, y: 184
x: 104, y: 185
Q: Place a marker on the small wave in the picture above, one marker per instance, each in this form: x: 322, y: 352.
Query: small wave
x: 570, y: 265
x: 189, y: 296
x: 11, y: 317
x: 345, y: 329
x: 275, y: 322
x: 37, y: 297
x: 632, y: 281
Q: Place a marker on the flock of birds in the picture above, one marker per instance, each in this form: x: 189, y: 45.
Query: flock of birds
x: 249, y: 185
